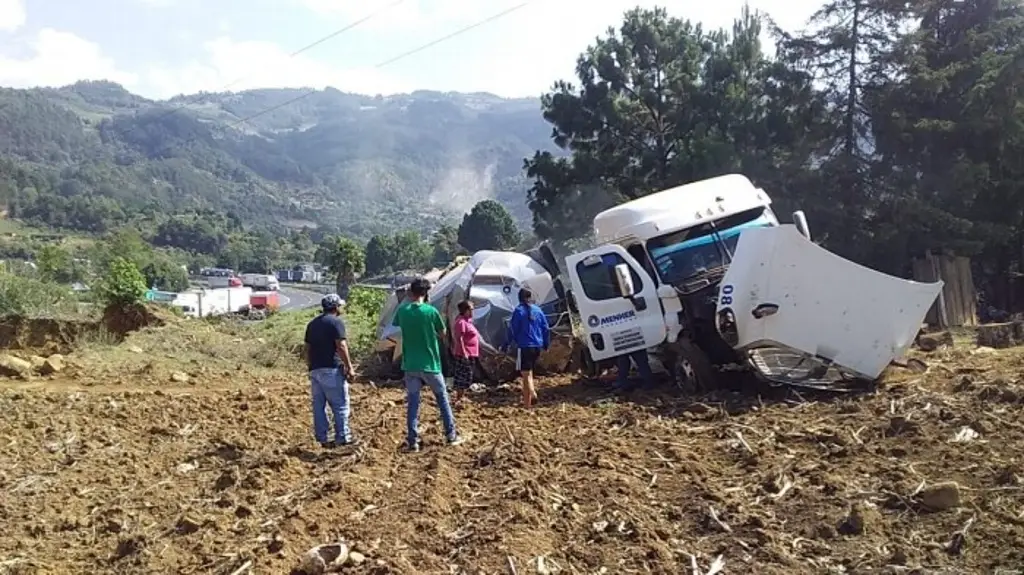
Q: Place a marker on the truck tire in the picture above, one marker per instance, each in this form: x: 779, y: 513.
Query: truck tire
x: 692, y: 371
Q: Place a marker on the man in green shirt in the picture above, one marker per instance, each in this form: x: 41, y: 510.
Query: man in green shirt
x: 423, y: 330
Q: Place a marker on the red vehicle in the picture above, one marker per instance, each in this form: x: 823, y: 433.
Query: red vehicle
x: 268, y: 301
x: 224, y: 281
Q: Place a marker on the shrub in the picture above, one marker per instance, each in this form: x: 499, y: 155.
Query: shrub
x: 362, y: 309
x: 280, y: 336
x: 33, y: 297
x: 123, y: 284
x: 163, y: 274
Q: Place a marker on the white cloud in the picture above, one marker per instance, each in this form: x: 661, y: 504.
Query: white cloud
x: 535, y: 46
x: 12, y: 15
x: 246, y: 65
x: 60, y: 58
x: 520, y: 54
x: 407, y: 14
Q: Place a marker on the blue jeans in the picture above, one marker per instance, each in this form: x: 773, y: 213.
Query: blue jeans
x: 643, y: 365
x: 329, y: 388
x: 414, y: 382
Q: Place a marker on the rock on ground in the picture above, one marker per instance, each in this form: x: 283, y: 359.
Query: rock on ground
x: 933, y: 341
x: 941, y: 496
x: 13, y: 366
x: 52, y: 365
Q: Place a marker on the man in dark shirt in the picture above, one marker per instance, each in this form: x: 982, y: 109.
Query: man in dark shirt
x: 326, y: 353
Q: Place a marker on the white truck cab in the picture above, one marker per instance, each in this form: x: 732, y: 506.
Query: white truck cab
x: 658, y: 281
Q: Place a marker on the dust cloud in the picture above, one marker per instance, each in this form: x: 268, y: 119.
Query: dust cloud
x: 462, y: 186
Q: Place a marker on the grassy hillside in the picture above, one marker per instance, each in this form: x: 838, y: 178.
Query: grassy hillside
x: 93, y: 156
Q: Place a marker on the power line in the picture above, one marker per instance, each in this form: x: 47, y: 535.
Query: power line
x: 305, y: 48
x: 394, y: 59
x: 346, y: 28
x: 433, y: 43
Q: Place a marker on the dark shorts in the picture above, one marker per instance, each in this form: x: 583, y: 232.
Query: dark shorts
x: 527, y: 358
x: 464, y: 372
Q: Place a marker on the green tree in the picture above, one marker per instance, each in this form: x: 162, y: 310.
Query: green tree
x: 847, y: 53
x: 445, y: 243
x: 55, y: 264
x: 297, y: 246
x: 661, y: 102
x: 380, y: 254
x: 126, y: 243
x: 122, y: 284
x: 488, y: 226
x: 400, y: 251
x: 164, y: 274
x: 345, y: 259
x: 200, y: 233
x: 949, y: 130
x: 411, y: 252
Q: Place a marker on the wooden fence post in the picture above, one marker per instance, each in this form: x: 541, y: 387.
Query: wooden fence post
x: 956, y: 305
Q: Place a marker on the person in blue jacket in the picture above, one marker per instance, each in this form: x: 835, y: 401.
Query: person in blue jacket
x: 528, y: 328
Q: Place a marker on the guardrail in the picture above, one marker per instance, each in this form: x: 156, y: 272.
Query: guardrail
x: 316, y: 288
x: 328, y: 288
x: 323, y: 288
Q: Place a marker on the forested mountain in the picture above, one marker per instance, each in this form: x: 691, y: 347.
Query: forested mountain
x: 897, y: 126
x: 93, y: 156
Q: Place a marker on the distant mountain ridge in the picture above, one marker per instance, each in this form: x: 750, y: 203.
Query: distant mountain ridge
x: 278, y: 157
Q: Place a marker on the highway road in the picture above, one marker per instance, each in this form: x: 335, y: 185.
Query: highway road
x: 309, y: 295
x: 296, y: 299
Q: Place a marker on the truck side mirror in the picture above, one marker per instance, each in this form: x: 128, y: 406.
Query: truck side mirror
x: 624, y: 280
x: 800, y: 221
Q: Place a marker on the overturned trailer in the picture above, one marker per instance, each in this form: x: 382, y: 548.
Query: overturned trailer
x: 492, y: 281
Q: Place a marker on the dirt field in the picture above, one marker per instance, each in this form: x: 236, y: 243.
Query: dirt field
x: 111, y: 467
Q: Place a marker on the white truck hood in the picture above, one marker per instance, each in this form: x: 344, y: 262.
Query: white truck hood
x: 828, y: 307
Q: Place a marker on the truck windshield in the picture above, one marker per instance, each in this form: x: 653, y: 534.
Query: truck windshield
x: 682, y: 255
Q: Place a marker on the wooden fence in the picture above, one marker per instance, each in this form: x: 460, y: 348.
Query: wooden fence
x: 956, y: 305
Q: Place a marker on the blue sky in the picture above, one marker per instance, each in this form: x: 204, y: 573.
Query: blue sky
x: 160, y: 48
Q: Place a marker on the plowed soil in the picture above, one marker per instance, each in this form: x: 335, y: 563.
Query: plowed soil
x: 118, y: 470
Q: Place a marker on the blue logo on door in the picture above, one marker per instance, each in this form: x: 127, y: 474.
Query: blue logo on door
x: 594, y: 321
x: 618, y: 318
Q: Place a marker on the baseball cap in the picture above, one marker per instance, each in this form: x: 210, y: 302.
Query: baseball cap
x: 331, y: 302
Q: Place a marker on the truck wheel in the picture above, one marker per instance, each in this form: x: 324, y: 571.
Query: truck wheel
x: 692, y: 371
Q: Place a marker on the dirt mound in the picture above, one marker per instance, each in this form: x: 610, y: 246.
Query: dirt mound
x: 221, y: 472
x: 561, y: 357
x: 123, y: 320
x: 46, y: 335
x: 49, y: 335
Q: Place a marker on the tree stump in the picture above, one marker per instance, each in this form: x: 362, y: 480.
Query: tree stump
x: 933, y: 341
x: 999, y: 335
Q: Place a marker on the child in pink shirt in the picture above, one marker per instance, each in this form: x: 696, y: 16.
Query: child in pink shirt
x: 465, y: 348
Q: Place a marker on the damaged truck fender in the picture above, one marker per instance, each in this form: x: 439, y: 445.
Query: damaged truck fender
x: 782, y: 290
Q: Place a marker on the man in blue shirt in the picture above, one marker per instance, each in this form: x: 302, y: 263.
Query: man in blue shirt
x: 528, y: 328
x: 326, y: 351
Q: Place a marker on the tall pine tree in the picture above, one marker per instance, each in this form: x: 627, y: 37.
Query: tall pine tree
x: 846, y: 50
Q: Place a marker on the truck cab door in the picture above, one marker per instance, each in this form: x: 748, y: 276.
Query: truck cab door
x: 616, y: 323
